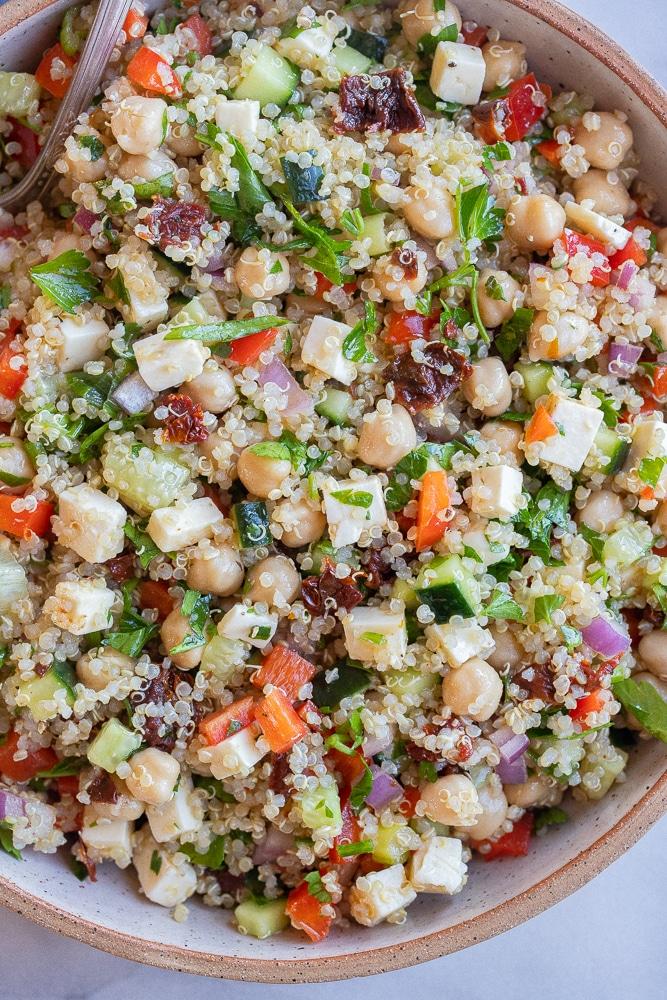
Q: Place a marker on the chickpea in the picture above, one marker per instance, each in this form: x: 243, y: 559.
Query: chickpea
x: 303, y: 306
x: 537, y: 790
x: 652, y: 651
x: 66, y: 241
x: 494, y: 810
x: 275, y: 577
x: 214, y: 389
x: 507, y: 651
x: 124, y: 807
x: 505, y: 61
x: 606, y: 191
x: 419, y: 17
x: 391, y: 274
x: 473, y: 689
x: 492, y: 309
x: 261, y: 474
x: 138, y: 124
x: 607, y: 145
x: 661, y: 241
x: 451, y: 800
x: 660, y: 518
x: 261, y: 274
x: 534, y: 222
x: 14, y: 461
x: 508, y: 436
x: 153, y: 776
x: 145, y: 168
x: 301, y: 523
x: 80, y: 166
x: 221, y: 574
x: 657, y: 683
x: 489, y: 389
x: 601, y: 511
x: 572, y: 331
x: 430, y: 210
x: 181, y: 141
x: 99, y: 667
x: 386, y: 438
x: 657, y: 319
x: 173, y: 631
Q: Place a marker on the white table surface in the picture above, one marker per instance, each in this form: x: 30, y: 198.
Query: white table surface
x: 607, y: 941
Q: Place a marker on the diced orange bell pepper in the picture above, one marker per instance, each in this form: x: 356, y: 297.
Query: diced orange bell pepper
x: 550, y: 150
x: 514, y: 844
x: 155, y: 594
x: 48, y: 73
x: 218, y: 726
x: 631, y: 251
x: 245, y: 350
x: 540, y: 426
x: 350, y: 766
x: 285, y: 669
x: 432, y: 504
x: 40, y: 759
x: 280, y: 724
x: 593, y: 702
x: 349, y: 834
x: 151, y: 72
x: 305, y: 913
x: 404, y: 327
x: 135, y: 24
x: 307, y: 708
x: 21, y: 523
x: 202, y: 34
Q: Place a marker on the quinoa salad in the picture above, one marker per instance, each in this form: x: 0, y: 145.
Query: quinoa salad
x: 333, y: 467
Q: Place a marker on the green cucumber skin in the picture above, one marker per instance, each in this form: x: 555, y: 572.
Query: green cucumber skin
x: 335, y: 406
x: 536, y: 376
x: 614, y: 447
x: 270, y: 80
x: 252, y: 523
x: 446, y: 600
x: 351, y: 680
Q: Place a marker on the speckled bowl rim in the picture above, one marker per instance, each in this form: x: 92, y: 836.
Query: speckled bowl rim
x: 512, y: 911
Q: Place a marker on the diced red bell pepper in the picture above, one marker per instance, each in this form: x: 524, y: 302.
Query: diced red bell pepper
x: 68, y: 785
x: 659, y: 382
x: 40, y: 759
x: 307, y: 708
x: 155, y: 594
x: 13, y: 233
x: 433, y: 500
x: 404, y: 327
x: 202, y: 34
x: 350, y: 834
x: 631, y: 251
x: 593, y: 702
x: 476, y: 36
x: 280, y: 724
x: 48, y: 73
x: 514, y: 844
x: 350, y: 766
x: 323, y: 285
x: 135, y: 24
x: 513, y: 116
x: 305, y: 913
x: 580, y: 243
x: 11, y: 378
x: 285, y: 669
x: 246, y: 350
x: 641, y: 220
x: 22, y: 523
x: 220, y: 725
x: 550, y: 150
x: 151, y: 72
x: 408, y: 804
x: 27, y: 140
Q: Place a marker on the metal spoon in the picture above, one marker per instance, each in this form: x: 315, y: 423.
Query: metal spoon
x: 83, y: 87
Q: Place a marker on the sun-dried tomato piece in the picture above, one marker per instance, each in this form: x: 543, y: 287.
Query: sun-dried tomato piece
x: 279, y: 770
x: 538, y: 684
x: 175, y: 223
x: 85, y: 860
x: 102, y: 788
x: 407, y: 260
x: 316, y: 591
x: 160, y: 691
x: 185, y: 422
x: 391, y: 106
x: 228, y: 883
x: 121, y: 568
x: 419, y: 385
x: 375, y: 570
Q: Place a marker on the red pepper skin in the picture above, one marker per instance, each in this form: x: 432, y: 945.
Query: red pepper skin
x: 579, y: 243
x: 305, y: 913
x: 514, y: 844
x: 41, y: 759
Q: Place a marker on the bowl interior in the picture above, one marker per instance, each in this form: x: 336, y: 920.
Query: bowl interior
x: 112, y: 915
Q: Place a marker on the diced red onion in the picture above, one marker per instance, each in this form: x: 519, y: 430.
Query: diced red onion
x: 512, y: 774
x: 606, y: 637
x: 133, y: 395
x: 623, y: 359
x: 376, y: 744
x: 85, y: 219
x: 274, y: 844
x: 511, y: 745
x: 623, y: 275
x: 662, y: 358
x: 384, y: 789
x: 219, y: 259
x: 11, y: 806
x: 298, y: 401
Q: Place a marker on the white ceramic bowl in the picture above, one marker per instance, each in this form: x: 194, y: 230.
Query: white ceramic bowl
x: 568, y: 52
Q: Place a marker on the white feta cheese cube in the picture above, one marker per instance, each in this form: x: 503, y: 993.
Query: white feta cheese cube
x: 496, y: 491
x: 166, y: 879
x: 107, y: 838
x: 438, y: 866
x: 90, y: 522
x: 352, y: 506
x: 489, y: 552
x: 577, y: 426
x: 186, y: 523
x: 323, y: 349
x: 240, y: 118
x: 247, y: 623
x: 458, y: 73
x: 308, y: 44
x: 374, y: 635
x: 81, y: 606
x: 597, y: 225
x: 183, y: 813
x: 459, y: 643
x: 145, y: 298
x: 378, y: 895
x: 166, y: 363
x: 236, y: 756
x: 649, y: 440
x: 84, y: 339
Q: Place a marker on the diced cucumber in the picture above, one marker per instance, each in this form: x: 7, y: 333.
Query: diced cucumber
x: 628, y: 544
x: 387, y: 849
x: 614, y: 449
x: 335, y: 406
x: 448, y: 589
x: 39, y: 691
x: 13, y: 583
x: 18, y: 92
x: 350, y: 62
x: 261, y: 918
x: 351, y: 680
x: 405, y: 592
x: 535, y: 378
x: 222, y: 657
x: 606, y: 762
x: 412, y: 682
x: 146, y: 478
x: 374, y: 228
x: 320, y: 808
x: 252, y: 523
x: 270, y: 80
x: 113, y: 744
x: 370, y: 45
